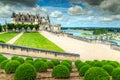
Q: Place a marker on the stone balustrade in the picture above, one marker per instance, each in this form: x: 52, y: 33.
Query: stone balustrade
x: 35, y: 52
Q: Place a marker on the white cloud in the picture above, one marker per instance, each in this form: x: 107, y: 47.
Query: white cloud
x: 56, y: 14
x: 105, y: 19
x: 76, y: 10
x: 90, y: 18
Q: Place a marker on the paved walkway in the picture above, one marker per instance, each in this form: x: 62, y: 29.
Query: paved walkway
x: 87, y: 51
x: 15, y: 38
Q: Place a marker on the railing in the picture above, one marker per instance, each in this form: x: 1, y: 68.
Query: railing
x: 113, y: 45
x: 36, y: 52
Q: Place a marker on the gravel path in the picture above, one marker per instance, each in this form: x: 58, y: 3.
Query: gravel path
x: 15, y: 38
x: 87, y: 51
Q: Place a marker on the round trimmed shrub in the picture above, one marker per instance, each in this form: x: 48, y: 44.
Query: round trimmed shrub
x: 60, y: 71
x: 37, y: 60
x: 2, y: 58
x: 44, y: 59
x: 14, y: 57
x: 68, y: 61
x: 80, y: 65
x: 97, y: 64
x: 77, y: 63
x: 114, y: 64
x: 3, y: 63
x: 84, y: 69
x: 40, y: 66
x: 50, y: 64
x: 67, y: 65
x: 29, y: 61
x: 20, y: 59
x: 108, y: 68
x: 88, y: 62
x: 55, y: 62
x: 96, y: 73
x: 25, y: 71
x: 29, y: 58
x: 11, y: 66
x: 116, y: 74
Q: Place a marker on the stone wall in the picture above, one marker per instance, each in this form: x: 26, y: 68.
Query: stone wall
x: 35, y: 52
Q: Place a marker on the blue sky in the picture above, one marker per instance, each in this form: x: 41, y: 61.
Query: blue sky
x: 69, y: 13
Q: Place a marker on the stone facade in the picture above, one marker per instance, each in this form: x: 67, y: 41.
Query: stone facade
x: 44, y: 22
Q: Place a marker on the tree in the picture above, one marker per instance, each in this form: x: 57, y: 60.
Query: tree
x: 0, y: 28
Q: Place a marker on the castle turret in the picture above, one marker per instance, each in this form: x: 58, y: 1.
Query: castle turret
x: 13, y: 17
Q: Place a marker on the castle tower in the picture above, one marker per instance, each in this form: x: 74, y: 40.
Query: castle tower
x: 13, y: 17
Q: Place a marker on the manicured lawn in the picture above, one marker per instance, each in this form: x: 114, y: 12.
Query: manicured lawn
x: 7, y: 36
x: 36, y: 40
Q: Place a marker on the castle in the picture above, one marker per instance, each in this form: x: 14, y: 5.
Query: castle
x: 44, y: 23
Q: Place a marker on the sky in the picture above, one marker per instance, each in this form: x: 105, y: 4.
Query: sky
x: 68, y: 13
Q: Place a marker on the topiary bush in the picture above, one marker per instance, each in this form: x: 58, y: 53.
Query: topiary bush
x: 29, y: 58
x: 80, y: 65
x: 96, y: 73
x: 60, y: 71
x: 14, y: 57
x: 68, y: 61
x: 50, y: 64
x: 55, y: 62
x: 97, y: 64
x: 2, y: 58
x: 67, y: 65
x: 108, y: 68
x: 84, y: 69
x: 40, y: 66
x: 11, y: 66
x: 3, y: 63
x: 37, y: 60
x: 116, y: 74
x: 20, y: 59
x: 77, y: 63
x: 114, y: 63
x: 44, y: 59
x: 25, y: 71
x: 88, y: 62
x: 29, y: 61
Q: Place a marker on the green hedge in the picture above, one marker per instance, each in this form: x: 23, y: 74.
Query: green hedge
x: 116, y: 74
x: 50, y: 64
x: 60, y: 71
x: 3, y: 64
x: 25, y: 71
x: 108, y: 68
x: 96, y: 73
x: 29, y: 58
x: 2, y: 58
x: 55, y: 62
x: 40, y: 66
x: 84, y: 69
x: 11, y: 66
x: 67, y: 65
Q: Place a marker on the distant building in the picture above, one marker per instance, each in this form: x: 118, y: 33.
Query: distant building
x: 44, y: 23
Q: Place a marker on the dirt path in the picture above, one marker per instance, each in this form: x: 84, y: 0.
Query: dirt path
x: 15, y: 38
x: 87, y: 51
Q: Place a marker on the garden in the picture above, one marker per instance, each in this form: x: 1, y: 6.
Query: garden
x: 36, y: 40
x: 28, y: 68
x: 7, y: 36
